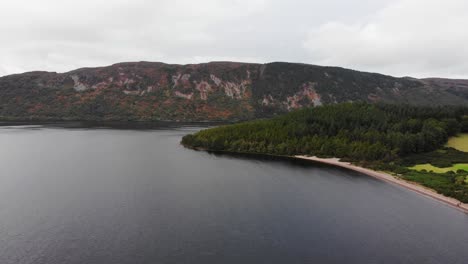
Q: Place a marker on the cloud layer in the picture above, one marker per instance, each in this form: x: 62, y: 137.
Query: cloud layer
x: 408, y: 37
x: 402, y: 37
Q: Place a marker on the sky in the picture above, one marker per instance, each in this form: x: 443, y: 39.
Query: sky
x: 419, y: 38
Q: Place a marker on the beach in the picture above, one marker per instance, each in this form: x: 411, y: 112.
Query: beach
x: 392, y: 179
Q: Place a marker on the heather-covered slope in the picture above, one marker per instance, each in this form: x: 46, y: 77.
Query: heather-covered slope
x: 209, y: 91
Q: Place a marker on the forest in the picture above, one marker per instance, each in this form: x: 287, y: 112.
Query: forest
x: 379, y: 136
x: 355, y: 131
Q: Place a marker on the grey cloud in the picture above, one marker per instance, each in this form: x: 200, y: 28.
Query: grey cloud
x: 369, y: 35
x: 408, y: 37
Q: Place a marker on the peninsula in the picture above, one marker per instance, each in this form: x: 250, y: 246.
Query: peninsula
x: 401, y: 144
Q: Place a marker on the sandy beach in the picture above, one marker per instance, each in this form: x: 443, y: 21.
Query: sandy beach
x: 394, y: 180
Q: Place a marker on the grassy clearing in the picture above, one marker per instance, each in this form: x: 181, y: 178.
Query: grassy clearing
x: 459, y: 142
x: 445, y: 184
x: 461, y: 167
x: 429, y: 167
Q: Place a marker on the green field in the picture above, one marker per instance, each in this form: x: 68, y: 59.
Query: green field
x: 460, y: 142
x: 429, y: 167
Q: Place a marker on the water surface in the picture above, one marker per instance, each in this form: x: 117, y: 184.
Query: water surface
x: 72, y: 194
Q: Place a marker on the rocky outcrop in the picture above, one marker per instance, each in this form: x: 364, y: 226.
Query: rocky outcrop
x: 209, y: 91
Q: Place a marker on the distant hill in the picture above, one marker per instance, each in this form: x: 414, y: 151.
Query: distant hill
x: 212, y: 91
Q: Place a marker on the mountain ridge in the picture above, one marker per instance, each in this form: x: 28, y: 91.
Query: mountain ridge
x: 212, y: 91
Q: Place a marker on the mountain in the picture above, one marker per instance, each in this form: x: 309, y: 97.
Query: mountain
x: 207, y: 92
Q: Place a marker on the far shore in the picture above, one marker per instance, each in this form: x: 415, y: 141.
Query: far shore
x: 392, y: 179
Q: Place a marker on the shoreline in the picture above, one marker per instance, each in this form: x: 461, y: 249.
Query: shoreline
x: 383, y: 176
x: 452, y: 202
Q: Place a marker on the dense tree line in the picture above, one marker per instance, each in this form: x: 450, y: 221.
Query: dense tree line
x: 356, y: 131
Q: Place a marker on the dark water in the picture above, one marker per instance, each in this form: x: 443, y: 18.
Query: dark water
x: 71, y: 195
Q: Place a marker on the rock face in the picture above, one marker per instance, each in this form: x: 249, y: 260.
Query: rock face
x: 208, y: 92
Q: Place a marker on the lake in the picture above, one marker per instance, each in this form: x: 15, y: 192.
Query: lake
x: 87, y: 194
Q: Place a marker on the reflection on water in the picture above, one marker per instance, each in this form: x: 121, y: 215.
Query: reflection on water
x: 75, y: 193
x: 109, y: 124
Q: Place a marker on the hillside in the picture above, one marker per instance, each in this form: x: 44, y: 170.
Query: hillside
x: 206, y: 92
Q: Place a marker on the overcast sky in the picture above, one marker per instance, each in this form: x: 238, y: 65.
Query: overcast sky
x: 418, y: 38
